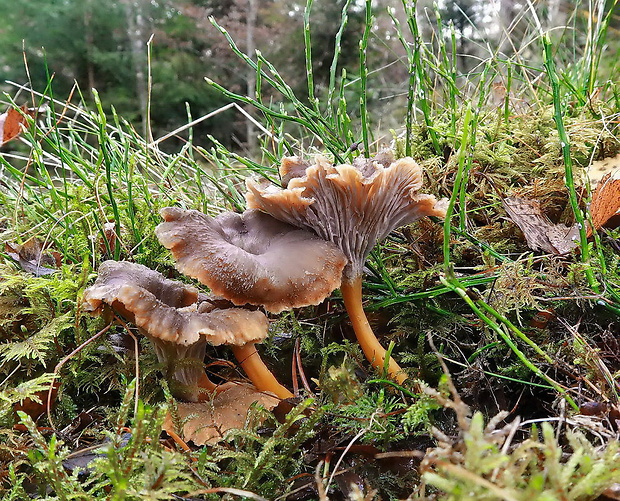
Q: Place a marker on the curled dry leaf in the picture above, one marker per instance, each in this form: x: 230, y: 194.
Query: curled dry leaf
x: 540, y: 233
x: 107, y: 242
x: 605, y: 201
x: 30, y: 257
x: 11, y: 122
x: 206, y: 422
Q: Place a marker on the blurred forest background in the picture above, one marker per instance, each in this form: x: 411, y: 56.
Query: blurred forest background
x: 103, y: 45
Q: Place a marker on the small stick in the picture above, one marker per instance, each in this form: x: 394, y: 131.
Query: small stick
x: 294, y: 364
x: 136, y: 357
x: 62, y: 362
x: 302, y: 373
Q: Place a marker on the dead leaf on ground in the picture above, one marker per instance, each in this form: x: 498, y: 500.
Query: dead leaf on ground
x: 540, y: 233
x: 598, y: 169
x: 605, y: 201
x: 31, y: 257
x: 34, y: 407
x: 11, y: 122
x: 206, y: 422
x: 611, y: 493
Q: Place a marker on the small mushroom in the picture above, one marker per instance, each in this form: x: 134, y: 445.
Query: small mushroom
x: 180, y: 323
x: 252, y: 257
x: 353, y: 206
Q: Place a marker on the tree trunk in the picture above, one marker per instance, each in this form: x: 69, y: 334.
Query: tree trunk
x: 251, y: 140
x: 136, y: 27
x: 90, y: 44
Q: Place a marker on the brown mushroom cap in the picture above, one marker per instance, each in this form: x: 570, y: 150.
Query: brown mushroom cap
x: 168, y: 311
x: 292, y: 167
x: 252, y: 257
x: 354, y: 206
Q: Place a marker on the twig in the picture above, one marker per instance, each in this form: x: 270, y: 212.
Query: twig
x: 300, y: 367
x: 62, y: 362
x: 321, y: 489
x: 229, y: 490
x: 206, y: 117
x: 137, y: 365
x: 348, y: 447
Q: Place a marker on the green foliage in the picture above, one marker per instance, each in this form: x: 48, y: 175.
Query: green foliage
x: 340, y: 384
x: 127, y: 466
x: 479, y: 465
x: 264, y: 463
x: 29, y: 389
x: 91, y: 187
x: 418, y: 416
x: 425, y: 362
x: 36, y: 346
x: 381, y: 422
x: 16, y: 492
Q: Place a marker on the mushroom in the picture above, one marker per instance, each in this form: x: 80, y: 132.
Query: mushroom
x: 353, y: 206
x: 252, y: 257
x: 180, y: 323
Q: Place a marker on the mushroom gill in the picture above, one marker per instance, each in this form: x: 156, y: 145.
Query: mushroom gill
x: 353, y: 206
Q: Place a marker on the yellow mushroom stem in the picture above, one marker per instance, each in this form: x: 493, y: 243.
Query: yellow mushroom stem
x: 258, y: 372
x: 375, y: 353
x: 207, y: 388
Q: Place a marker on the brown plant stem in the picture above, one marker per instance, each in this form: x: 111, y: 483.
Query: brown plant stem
x: 375, y: 353
x: 257, y: 371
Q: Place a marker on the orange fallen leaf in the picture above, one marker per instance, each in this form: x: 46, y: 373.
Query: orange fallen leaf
x: 540, y: 233
x: 34, y: 407
x: 11, y: 122
x: 206, y: 422
x: 605, y: 201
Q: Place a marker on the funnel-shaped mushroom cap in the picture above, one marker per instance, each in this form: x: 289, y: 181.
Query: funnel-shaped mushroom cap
x: 252, y: 257
x: 168, y: 311
x: 354, y: 206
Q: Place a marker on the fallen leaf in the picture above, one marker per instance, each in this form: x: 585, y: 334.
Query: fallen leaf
x: 108, y: 242
x: 206, y: 422
x: 11, y: 122
x: 540, y: 233
x: 31, y: 258
x: 605, y: 201
x: 34, y: 407
x: 81, y: 461
x: 611, y: 493
x: 598, y: 169
x: 541, y: 318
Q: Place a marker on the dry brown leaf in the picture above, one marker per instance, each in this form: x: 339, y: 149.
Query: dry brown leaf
x: 206, y: 422
x: 540, y: 233
x: 612, y: 493
x: 31, y: 257
x: 11, y: 122
x: 605, y: 201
